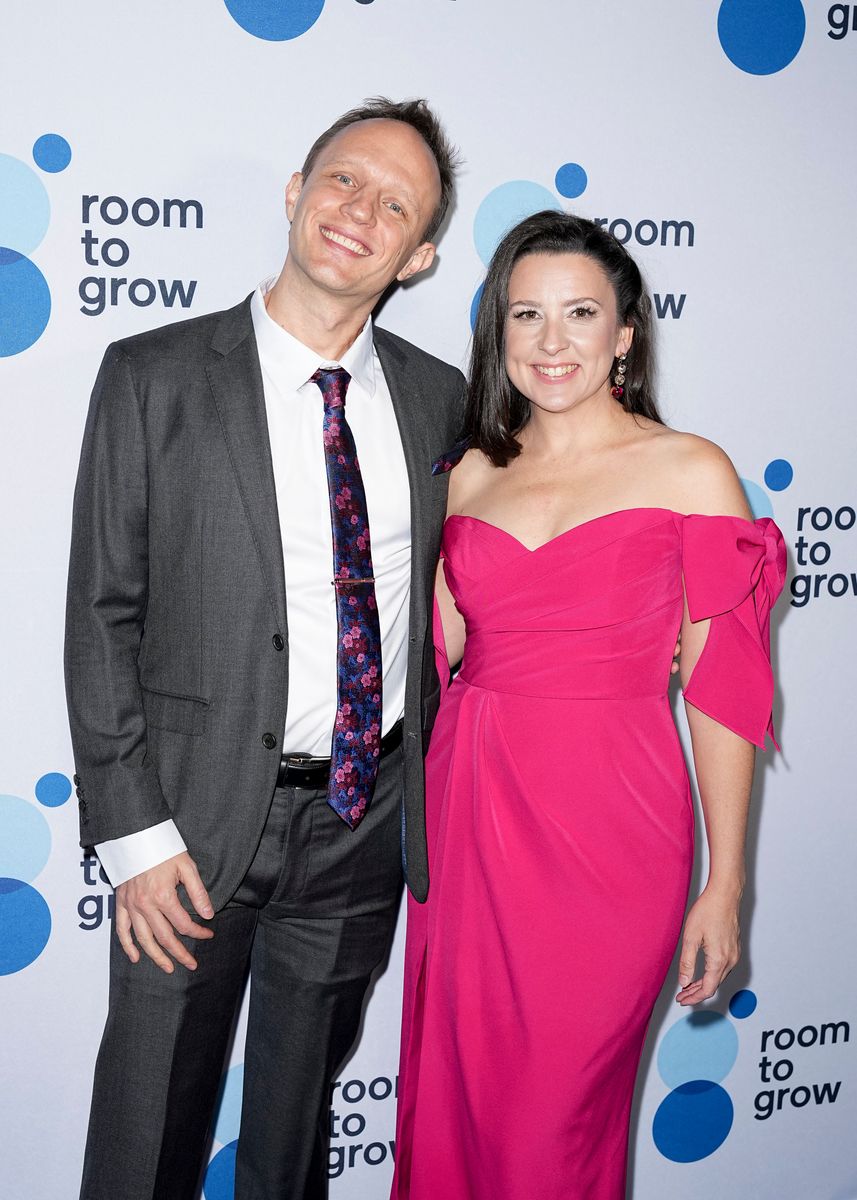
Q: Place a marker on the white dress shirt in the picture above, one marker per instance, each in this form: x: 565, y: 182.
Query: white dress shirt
x: 294, y: 410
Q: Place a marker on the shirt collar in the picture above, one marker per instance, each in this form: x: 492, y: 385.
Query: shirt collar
x: 292, y: 363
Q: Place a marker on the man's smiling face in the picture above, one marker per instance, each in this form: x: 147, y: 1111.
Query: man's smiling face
x: 359, y: 217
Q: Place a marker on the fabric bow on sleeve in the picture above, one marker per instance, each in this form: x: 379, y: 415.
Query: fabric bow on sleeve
x: 734, y: 570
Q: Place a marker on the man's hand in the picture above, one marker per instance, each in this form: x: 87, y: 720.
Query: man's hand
x: 148, y: 905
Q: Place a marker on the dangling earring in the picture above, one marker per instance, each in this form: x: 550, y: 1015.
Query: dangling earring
x: 618, y: 389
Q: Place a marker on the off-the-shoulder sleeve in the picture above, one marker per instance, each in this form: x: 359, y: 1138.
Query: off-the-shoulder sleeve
x: 734, y: 570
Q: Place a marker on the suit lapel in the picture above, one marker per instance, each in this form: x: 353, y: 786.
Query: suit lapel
x: 235, y: 378
x: 413, y: 414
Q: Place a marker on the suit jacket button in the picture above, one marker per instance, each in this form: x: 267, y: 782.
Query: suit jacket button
x: 278, y: 642
x: 269, y: 741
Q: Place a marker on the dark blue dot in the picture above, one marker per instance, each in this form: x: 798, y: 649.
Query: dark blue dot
x: 25, y: 302
x: 53, y: 789
x: 52, y: 153
x: 571, y: 180
x: 474, y: 305
x: 274, y: 20
x: 220, y: 1174
x: 761, y: 36
x: 25, y: 925
x: 743, y: 1003
x: 692, y: 1121
x: 778, y: 474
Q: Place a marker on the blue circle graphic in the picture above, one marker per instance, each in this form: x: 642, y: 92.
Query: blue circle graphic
x: 227, y: 1121
x: 220, y: 1175
x: 504, y: 207
x: 53, y: 789
x: 743, y: 1004
x: 778, y: 474
x: 52, y: 153
x: 275, y: 20
x: 571, y: 180
x: 25, y: 302
x: 703, y: 1045
x: 474, y: 304
x: 25, y: 925
x: 692, y: 1121
x: 757, y: 498
x: 761, y: 36
x: 25, y: 210
x: 25, y: 839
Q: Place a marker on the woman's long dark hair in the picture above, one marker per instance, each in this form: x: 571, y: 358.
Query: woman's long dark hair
x: 496, y: 410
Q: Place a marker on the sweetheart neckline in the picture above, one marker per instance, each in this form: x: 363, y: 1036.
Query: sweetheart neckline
x: 572, y: 529
x: 643, y: 508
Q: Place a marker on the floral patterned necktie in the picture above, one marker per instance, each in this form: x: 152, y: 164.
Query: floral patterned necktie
x: 357, y: 732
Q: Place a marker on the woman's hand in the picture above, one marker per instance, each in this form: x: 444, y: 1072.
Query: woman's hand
x: 711, y: 926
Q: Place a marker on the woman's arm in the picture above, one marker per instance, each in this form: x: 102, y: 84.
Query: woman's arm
x: 451, y: 619
x: 723, y: 763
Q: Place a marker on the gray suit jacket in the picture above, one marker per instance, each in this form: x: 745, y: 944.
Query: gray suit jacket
x: 177, y: 595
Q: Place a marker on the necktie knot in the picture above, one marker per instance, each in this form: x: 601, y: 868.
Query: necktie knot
x: 333, y: 385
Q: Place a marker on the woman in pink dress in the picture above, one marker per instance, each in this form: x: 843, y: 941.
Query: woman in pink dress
x: 582, y: 536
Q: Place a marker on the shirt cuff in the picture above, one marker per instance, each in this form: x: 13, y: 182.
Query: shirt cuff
x: 124, y: 857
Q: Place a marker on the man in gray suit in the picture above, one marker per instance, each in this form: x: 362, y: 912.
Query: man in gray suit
x: 202, y: 672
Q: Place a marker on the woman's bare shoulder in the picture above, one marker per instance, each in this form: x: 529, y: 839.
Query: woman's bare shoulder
x: 466, y: 478
x: 698, y: 475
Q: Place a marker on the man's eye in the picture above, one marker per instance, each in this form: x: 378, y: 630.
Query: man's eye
x: 344, y: 178
x: 394, y: 207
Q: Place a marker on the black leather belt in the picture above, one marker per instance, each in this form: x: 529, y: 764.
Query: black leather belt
x: 304, y: 771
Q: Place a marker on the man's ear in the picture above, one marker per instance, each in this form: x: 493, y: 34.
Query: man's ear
x: 421, y: 259
x: 293, y: 190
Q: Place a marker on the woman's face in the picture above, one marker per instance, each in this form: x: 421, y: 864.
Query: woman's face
x: 562, y: 331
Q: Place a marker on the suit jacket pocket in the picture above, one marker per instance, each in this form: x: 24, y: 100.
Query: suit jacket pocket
x: 175, y: 713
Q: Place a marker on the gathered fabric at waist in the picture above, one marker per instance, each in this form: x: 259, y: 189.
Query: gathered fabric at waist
x: 571, y: 664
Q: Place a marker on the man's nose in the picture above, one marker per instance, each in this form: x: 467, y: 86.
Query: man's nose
x: 360, y: 206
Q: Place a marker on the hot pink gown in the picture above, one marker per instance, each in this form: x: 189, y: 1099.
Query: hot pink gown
x: 560, y: 831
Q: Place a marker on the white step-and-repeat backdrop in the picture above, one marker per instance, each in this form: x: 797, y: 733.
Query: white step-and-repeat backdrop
x: 143, y: 155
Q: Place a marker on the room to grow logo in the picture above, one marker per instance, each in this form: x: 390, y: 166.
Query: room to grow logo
x: 512, y: 201
x: 698, y: 1052
x: 277, y: 20
x: 25, y: 846
x: 761, y: 37
x: 25, y: 213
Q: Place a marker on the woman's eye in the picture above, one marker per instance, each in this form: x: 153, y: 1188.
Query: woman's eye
x: 524, y: 314
x: 583, y: 310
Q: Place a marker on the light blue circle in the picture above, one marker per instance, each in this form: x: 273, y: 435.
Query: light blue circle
x: 757, y: 498
x: 761, y: 36
x: 743, y: 1004
x: 275, y: 20
x: 52, y: 153
x: 25, y: 210
x: 703, y: 1045
x: 571, y: 180
x: 692, y: 1121
x: 227, y: 1120
x: 25, y: 302
x: 220, y: 1175
x: 53, y: 789
x: 25, y: 924
x: 474, y: 305
x: 778, y: 474
x: 504, y: 207
x: 25, y: 839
